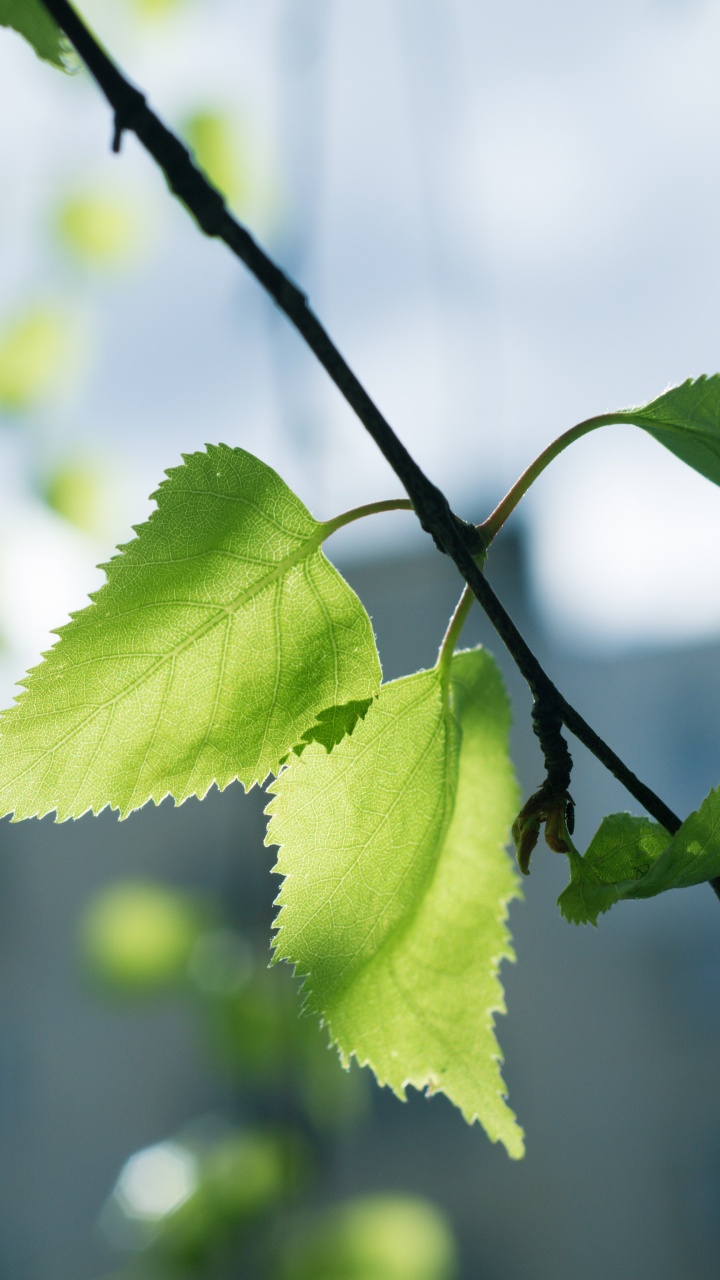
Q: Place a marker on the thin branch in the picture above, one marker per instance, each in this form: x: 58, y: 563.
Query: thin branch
x: 459, y: 540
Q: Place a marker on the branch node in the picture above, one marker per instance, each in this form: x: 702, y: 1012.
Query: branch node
x: 552, y: 803
x: 127, y: 114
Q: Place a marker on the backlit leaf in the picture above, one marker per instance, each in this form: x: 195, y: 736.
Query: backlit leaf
x: 633, y: 857
x: 397, y: 883
x: 686, y: 419
x: 692, y: 856
x: 221, y: 633
x: 622, y: 850
x: 32, y: 20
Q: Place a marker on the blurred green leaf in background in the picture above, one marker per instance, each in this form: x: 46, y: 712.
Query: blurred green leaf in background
x: 217, y: 1200
x: 385, y: 1237
x: 220, y: 151
x: 100, y: 228
x: 34, y: 352
x: 137, y: 936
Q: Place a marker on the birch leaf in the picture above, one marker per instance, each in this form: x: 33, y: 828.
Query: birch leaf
x: 622, y: 851
x: 397, y: 883
x: 691, y: 857
x: 221, y: 634
x: 686, y: 419
x: 631, y: 857
x: 31, y: 20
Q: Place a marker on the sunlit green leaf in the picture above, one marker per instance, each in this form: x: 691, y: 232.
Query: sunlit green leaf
x: 692, y: 856
x: 633, y: 857
x: 99, y: 228
x: 33, y: 351
x: 686, y: 419
x: 33, y: 21
x: 622, y: 849
x: 221, y: 633
x: 397, y: 884
x: 388, y: 1237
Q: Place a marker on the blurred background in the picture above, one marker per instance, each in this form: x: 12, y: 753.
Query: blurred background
x: 507, y: 217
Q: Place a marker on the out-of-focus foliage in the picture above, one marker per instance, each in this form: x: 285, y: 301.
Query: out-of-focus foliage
x: 389, y: 1237
x: 33, y: 21
x: 215, y: 1200
x: 183, y: 1206
x: 218, y: 150
x: 34, y: 349
x: 137, y: 936
x: 99, y: 228
x: 74, y: 490
x: 155, y: 8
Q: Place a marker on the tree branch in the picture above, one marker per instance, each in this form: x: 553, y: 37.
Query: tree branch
x: 459, y: 540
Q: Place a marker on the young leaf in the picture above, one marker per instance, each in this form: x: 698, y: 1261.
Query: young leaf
x: 220, y: 635
x: 622, y: 849
x: 686, y: 419
x: 32, y: 20
x: 635, y: 858
x: 397, y: 883
x: 692, y: 856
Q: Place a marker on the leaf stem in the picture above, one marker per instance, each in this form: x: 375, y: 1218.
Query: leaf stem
x: 369, y: 509
x: 490, y: 527
x: 452, y: 635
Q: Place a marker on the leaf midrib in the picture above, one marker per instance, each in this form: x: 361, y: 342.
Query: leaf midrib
x: 404, y: 923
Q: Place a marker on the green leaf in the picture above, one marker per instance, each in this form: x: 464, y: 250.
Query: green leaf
x: 33, y: 21
x: 587, y: 896
x: 633, y: 857
x: 691, y: 857
x: 221, y: 633
x: 686, y: 419
x: 397, y: 884
x: 622, y: 849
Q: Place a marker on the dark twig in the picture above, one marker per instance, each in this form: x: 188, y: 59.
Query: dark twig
x: 460, y: 541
